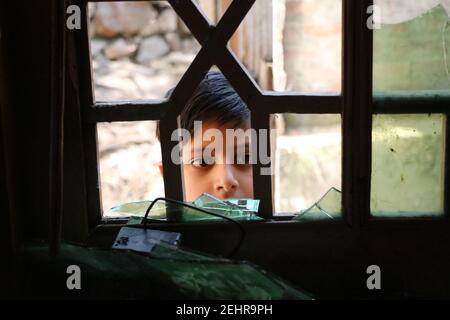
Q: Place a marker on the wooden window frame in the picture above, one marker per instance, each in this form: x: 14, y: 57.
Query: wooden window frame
x: 356, y: 104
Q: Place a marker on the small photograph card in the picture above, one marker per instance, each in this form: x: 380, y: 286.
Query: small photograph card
x: 143, y: 240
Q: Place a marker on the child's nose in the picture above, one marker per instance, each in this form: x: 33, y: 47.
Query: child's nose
x: 225, y: 180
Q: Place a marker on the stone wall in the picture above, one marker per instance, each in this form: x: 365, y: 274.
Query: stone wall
x: 139, y: 49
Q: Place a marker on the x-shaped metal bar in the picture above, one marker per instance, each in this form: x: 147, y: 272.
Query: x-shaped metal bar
x: 214, y: 50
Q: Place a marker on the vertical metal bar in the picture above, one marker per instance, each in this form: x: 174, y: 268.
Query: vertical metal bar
x: 84, y: 57
x: 365, y: 95
x: 172, y: 172
x: 89, y: 129
x: 348, y: 27
x: 357, y: 111
x: 447, y: 167
x: 262, y: 174
x: 75, y: 226
x: 56, y: 124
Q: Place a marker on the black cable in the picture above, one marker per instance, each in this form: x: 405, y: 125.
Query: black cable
x: 239, y: 225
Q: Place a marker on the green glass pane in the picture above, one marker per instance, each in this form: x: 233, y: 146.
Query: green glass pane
x: 238, y: 209
x: 407, y: 165
x: 179, y: 213
x: 411, y: 49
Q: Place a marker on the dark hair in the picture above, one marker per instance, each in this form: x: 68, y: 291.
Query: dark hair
x: 214, y: 99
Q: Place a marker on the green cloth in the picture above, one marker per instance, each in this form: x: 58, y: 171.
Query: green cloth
x: 168, y: 274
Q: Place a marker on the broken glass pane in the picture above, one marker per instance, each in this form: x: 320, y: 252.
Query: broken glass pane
x: 228, y: 207
x: 136, y: 209
x: 411, y: 46
x: 407, y: 165
x: 180, y: 213
x: 239, y: 209
x: 328, y: 207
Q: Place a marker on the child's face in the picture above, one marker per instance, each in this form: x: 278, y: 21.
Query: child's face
x: 221, y: 179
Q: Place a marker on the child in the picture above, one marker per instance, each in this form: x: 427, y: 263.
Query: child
x: 217, y: 106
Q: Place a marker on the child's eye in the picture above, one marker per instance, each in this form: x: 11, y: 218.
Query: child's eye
x: 199, y: 163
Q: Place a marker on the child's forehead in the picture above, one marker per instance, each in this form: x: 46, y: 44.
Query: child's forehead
x: 214, y: 124
x: 204, y: 131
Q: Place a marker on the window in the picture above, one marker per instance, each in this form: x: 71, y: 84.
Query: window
x: 364, y: 116
x: 411, y: 82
